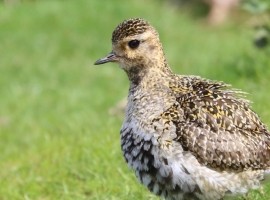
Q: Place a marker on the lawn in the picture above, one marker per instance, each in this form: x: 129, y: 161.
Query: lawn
x: 57, y: 139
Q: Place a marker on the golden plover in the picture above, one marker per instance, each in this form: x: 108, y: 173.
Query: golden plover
x: 184, y: 136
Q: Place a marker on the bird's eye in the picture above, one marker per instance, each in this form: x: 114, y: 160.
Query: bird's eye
x: 133, y: 44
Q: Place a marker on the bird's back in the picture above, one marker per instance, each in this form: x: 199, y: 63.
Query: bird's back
x: 219, y: 127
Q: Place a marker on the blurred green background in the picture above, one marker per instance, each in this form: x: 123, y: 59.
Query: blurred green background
x: 57, y: 139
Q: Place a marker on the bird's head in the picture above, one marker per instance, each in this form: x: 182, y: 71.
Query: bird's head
x: 135, y: 46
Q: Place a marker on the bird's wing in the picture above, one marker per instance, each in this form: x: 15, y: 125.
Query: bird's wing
x: 220, y: 128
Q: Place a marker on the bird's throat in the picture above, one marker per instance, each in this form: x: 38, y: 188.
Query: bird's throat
x: 136, y: 74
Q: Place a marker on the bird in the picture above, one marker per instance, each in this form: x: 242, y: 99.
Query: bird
x: 186, y: 137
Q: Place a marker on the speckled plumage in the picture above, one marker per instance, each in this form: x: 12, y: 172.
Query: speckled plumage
x: 184, y: 136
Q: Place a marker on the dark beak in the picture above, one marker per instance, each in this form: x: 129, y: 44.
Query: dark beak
x: 111, y: 57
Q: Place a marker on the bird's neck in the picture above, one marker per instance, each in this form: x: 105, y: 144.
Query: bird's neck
x: 146, y: 72
x: 145, y: 77
x: 153, y: 85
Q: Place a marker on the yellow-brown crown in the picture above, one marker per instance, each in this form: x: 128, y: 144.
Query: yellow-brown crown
x: 130, y: 27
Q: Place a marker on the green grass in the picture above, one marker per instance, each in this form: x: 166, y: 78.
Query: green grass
x: 57, y: 140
